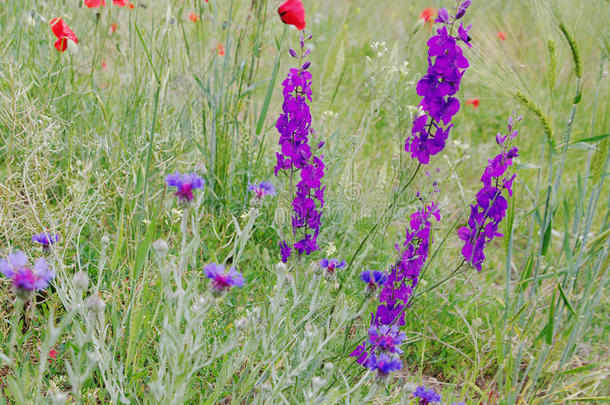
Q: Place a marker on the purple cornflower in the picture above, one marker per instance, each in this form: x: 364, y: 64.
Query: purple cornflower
x: 373, y: 278
x: 26, y: 278
x: 491, y: 205
x: 297, y: 157
x: 332, y: 264
x: 223, y: 280
x: 285, y: 251
x: 384, y: 364
x: 446, y: 66
x: 45, y: 239
x: 262, y: 189
x: 185, y: 184
x: 386, y: 338
x: 426, y: 396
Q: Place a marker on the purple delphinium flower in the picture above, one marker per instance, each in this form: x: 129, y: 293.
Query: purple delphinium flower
x: 426, y: 396
x: 223, y: 280
x: 297, y: 157
x: 373, y: 278
x: 446, y: 66
x: 262, y: 189
x: 384, y: 364
x: 398, y: 286
x: 185, y: 185
x: 26, y: 278
x: 491, y: 204
x: 45, y: 239
x: 330, y: 265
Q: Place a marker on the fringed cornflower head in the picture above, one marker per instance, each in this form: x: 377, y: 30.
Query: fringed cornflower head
x: 446, y: 66
x: 331, y: 265
x: 45, y: 239
x: 373, y: 278
x: 185, y: 185
x: 384, y: 364
x: 491, y: 205
x: 223, y: 280
x: 297, y: 157
x: 426, y: 396
x: 386, y: 339
x: 262, y: 189
x: 25, y: 278
x: 397, y: 290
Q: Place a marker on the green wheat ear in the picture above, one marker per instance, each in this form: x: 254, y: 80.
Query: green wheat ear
x: 552, y: 73
x: 573, y: 49
x: 599, y: 160
x: 544, y: 120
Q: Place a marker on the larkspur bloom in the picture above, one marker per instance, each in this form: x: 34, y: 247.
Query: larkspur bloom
x: 331, y: 265
x: 446, y: 67
x: 223, y: 280
x: 26, y: 278
x: 398, y: 286
x: 45, y: 239
x: 262, y: 189
x: 63, y: 33
x: 185, y: 185
x: 292, y: 12
x: 426, y: 396
x: 491, y: 204
x: 373, y: 278
x: 297, y: 157
x: 384, y: 364
x: 285, y: 251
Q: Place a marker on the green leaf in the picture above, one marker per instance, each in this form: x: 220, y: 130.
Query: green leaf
x: 565, y: 299
x: 547, y: 237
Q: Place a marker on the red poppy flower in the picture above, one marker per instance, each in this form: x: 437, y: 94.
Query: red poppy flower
x: 52, y: 355
x: 501, y: 36
x: 428, y: 15
x: 63, y: 34
x: 193, y: 17
x: 122, y: 3
x: 95, y: 3
x: 473, y: 102
x: 221, y: 49
x: 103, y: 64
x: 292, y: 12
x: 113, y: 28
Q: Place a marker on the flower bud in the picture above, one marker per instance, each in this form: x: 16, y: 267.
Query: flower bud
x: 95, y: 303
x: 81, y: 280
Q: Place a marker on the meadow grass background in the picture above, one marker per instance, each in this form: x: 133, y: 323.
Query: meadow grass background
x: 89, y: 135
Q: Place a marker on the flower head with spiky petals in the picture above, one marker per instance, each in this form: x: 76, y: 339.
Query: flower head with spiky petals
x: 26, y: 278
x: 185, y: 184
x: 331, y: 265
x: 426, y: 396
x: 223, y: 280
x: 262, y: 189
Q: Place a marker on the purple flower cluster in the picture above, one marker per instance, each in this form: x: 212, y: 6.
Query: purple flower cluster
x: 223, y: 280
x: 383, y: 363
x: 26, y: 278
x: 45, y: 239
x: 426, y: 396
x: 330, y: 265
x: 297, y: 157
x: 185, y: 184
x: 446, y: 66
x: 491, y: 205
x: 262, y: 189
x: 398, y: 286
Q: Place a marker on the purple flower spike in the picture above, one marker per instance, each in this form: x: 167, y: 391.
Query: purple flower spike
x: 386, y: 338
x: 446, y: 67
x: 426, y: 396
x: 384, y: 364
x: 262, y: 189
x: 25, y: 278
x: 223, y: 280
x: 491, y: 205
x: 185, y: 185
x: 285, y: 251
x: 45, y: 239
x: 332, y: 264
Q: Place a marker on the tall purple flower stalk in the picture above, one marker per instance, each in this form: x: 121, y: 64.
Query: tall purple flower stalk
x: 446, y: 66
x: 298, y: 158
x: 491, y: 205
x: 398, y: 288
